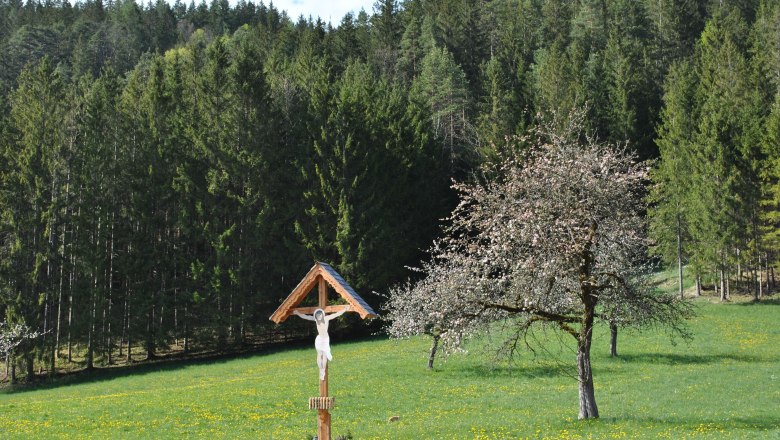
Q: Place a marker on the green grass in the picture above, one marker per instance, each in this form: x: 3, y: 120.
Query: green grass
x: 725, y: 384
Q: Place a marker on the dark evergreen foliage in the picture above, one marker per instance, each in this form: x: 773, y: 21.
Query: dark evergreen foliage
x: 169, y: 170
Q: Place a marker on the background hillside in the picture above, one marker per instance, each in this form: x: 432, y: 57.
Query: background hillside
x: 169, y: 172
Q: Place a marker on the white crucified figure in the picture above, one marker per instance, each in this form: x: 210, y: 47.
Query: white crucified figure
x: 322, y: 342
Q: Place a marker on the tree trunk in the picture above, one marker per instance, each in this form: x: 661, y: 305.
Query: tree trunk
x: 766, y: 270
x: 739, y: 270
x: 128, y: 305
x: 755, y: 282
x: 70, y: 318
x: 13, y: 367
x: 60, y: 288
x: 109, y: 342
x: 434, y: 348
x: 760, y: 277
x: 588, y: 408
x: 728, y: 286
x: 93, y: 301
x: 613, y: 333
x: 698, y: 285
x: 109, y: 290
x: 150, y: 349
x: 29, y: 362
x: 71, y: 279
x: 91, y: 332
x: 722, y: 285
x: 186, y: 331
x: 679, y: 260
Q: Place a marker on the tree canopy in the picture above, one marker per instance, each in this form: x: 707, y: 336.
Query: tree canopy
x: 556, y: 237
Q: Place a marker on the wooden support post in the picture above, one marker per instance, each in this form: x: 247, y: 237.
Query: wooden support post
x: 323, y: 292
x: 323, y: 416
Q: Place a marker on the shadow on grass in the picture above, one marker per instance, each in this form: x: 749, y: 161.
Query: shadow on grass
x: 710, y: 426
x: 689, y: 359
x: 534, y: 371
x: 161, y: 364
x: 775, y: 301
x: 165, y: 363
x: 99, y: 374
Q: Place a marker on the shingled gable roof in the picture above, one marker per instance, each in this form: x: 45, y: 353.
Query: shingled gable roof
x: 335, y: 280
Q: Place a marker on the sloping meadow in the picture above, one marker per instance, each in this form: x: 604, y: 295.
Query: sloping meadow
x: 723, y: 384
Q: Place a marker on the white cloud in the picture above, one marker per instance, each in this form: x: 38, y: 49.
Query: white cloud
x: 328, y: 10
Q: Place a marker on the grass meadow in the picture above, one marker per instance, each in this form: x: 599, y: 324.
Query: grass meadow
x: 723, y: 384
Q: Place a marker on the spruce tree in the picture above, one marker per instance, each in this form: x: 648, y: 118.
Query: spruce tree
x: 726, y: 152
x: 670, y: 196
x: 30, y: 199
x: 443, y: 87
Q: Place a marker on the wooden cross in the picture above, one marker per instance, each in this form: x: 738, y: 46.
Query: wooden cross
x: 322, y: 275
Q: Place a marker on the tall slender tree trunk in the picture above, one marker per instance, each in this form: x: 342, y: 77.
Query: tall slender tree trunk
x: 93, y: 303
x: 728, y: 285
x: 679, y: 259
x: 124, y: 321
x: 698, y: 285
x: 109, y: 283
x: 722, y: 285
x: 186, y: 331
x: 129, y: 333
x: 60, y: 288
x: 766, y: 271
x: 71, y: 279
x: 70, y: 314
x: 739, y: 270
x: 150, y: 334
x: 760, y: 277
x: 754, y: 281
x: 109, y: 349
x: 91, y: 330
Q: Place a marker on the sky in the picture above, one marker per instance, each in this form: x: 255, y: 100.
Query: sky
x: 328, y: 10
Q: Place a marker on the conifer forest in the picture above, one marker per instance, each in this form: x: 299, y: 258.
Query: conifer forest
x: 169, y: 171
